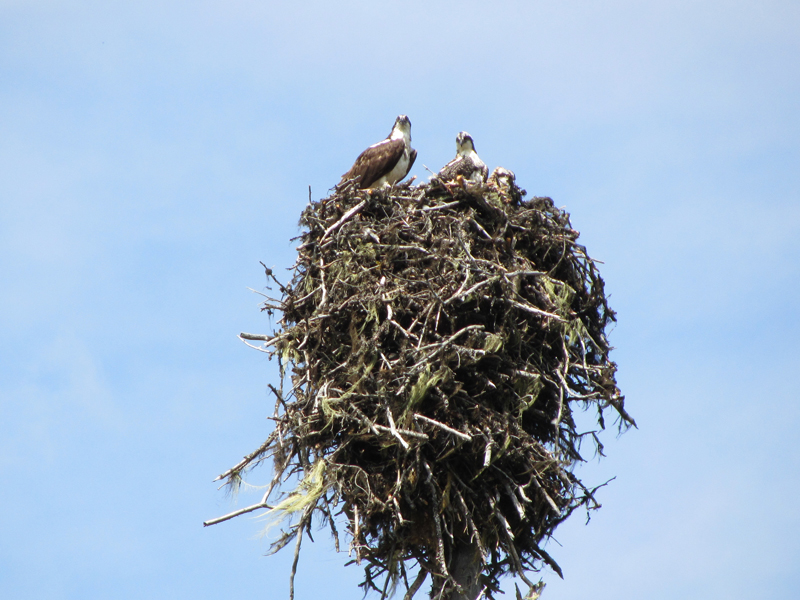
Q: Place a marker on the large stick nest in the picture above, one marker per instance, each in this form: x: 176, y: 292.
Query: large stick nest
x: 437, y: 340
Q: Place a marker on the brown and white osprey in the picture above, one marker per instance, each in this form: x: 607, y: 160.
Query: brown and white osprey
x: 467, y: 163
x: 505, y: 183
x: 502, y: 179
x: 386, y: 162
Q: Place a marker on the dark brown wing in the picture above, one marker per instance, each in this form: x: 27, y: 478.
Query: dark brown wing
x: 464, y: 167
x: 375, y: 162
x: 458, y: 166
x: 484, y: 173
x: 412, y: 156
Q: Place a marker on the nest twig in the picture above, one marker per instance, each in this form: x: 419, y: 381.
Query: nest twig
x: 437, y: 340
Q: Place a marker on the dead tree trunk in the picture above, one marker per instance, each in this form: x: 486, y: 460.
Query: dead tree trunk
x: 465, y: 566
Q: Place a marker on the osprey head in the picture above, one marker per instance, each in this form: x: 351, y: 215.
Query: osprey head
x: 402, y: 127
x: 464, y: 143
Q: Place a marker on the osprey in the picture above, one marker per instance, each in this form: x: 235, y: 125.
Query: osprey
x: 505, y: 183
x: 466, y: 163
x: 502, y: 179
x: 386, y: 162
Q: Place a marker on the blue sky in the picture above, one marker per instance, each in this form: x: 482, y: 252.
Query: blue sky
x: 152, y: 153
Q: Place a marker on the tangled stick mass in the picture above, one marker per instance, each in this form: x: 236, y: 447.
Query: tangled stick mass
x: 435, y: 342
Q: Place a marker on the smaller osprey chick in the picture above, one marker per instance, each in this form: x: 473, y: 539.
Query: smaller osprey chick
x: 467, y: 163
x: 502, y: 179
x: 386, y: 162
x: 505, y: 183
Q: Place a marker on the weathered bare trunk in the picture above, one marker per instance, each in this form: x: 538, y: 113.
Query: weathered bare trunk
x: 465, y: 567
